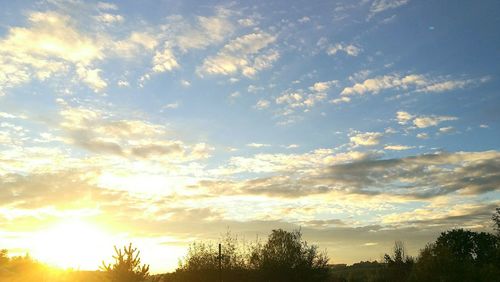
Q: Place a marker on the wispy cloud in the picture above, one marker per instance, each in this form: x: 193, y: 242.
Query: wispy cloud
x: 242, y: 55
x: 412, y: 82
x: 379, y: 6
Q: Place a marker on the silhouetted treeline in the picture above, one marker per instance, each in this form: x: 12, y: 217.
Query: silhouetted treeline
x: 456, y: 255
x: 283, y: 257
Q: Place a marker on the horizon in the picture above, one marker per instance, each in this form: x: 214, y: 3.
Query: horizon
x: 163, y: 123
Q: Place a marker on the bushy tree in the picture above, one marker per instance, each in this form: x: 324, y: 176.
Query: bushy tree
x: 283, y: 257
x: 286, y: 257
x: 459, y: 255
x: 127, y: 266
x: 202, y: 261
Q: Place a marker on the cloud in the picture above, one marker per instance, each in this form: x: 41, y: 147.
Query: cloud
x: 262, y: 104
x: 379, y: 6
x: 411, y: 82
x: 205, y: 32
x: 106, y: 6
x: 109, y: 18
x: 242, y: 55
x: 247, y: 22
x: 411, y: 178
x: 257, y: 145
x: 164, y: 61
x: 91, y: 77
x: 447, y: 85
x: 350, y: 49
x: 51, y: 189
x: 304, y: 19
x: 174, y: 105
x: 366, y: 139
x: 398, y: 147
x: 448, y: 129
x: 423, y: 176
x: 136, y: 44
x: 295, y: 101
x: 123, y: 83
x: 375, y: 85
x: 97, y: 132
x: 289, y: 163
x: 427, y: 121
x: 403, y: 117
x: 323, y: 85
x: 49, y: 45
x: 423, y: 135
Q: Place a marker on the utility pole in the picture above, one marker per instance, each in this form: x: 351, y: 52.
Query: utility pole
x: 220, y: 262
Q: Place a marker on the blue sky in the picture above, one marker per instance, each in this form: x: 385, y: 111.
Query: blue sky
x: 164, y: 122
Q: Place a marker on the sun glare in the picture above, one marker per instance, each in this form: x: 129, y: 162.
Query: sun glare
x: 72, y: 244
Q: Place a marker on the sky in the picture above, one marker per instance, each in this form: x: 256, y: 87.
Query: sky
x: 166, y: 122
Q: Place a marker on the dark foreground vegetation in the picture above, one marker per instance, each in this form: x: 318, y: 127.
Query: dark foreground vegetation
x: 456, y: 255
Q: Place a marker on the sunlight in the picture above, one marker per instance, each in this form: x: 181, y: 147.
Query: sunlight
x: 72, y: 244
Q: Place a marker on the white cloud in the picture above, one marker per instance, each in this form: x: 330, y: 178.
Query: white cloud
x: 398, y: 147
x: 247, y: 22
x: 382, y: 5
x: 174, y: 105
x: 106, y: 6
x: 427, y: 121
x: 185, y: 83
x: 423, y: 135
x: 292, y: 146
x: 254, y: 89
x: 164, y: 61
x: 323, y: 85
x: 366, y: 139
x: 91, y: 77
x: 375, y: 85
x: 206, y: 31
x: 304, y: 19
x: 109, y: 18
x: 123, y: 83
x: 242, y: 55
x: 49, y: 45
x: 258, y: 145
x: 415, y: 82
x: 447, y: 85
x: 403, y: 117
x: 350, y: 49
x: 448, y: 129
x: 262, y: 104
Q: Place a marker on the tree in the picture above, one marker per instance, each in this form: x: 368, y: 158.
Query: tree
x: 399, y: 265
x: 496, y: 221
x: 286, y: 257
x: 4, y: 257
x: 459, y: 255
x: 127, y: 266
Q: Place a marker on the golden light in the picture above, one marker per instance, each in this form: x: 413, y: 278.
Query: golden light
x: 72, y: 244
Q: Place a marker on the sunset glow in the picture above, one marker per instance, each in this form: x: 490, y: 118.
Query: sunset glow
x: 72, y: 244
x: 162, y: 123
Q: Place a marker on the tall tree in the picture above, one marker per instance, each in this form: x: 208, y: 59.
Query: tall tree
x: 496, y: 221
x: 127, y: 266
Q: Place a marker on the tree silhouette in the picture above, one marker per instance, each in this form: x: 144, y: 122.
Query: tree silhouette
x: 127, y: 266
x: 496, y: 221
x: 459, y: 255
x: 286, y: 257
x: 399, y: 265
